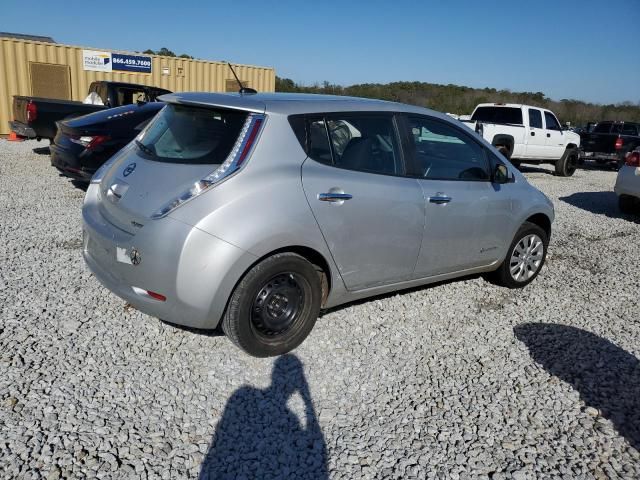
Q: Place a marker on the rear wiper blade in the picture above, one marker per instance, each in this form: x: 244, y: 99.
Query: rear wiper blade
x: 144, y: 148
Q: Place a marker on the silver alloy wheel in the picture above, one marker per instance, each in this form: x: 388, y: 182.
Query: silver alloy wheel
x: 526, y: 258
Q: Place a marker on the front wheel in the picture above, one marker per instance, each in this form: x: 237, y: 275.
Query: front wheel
x: 275, y: 306
x: 525, y: 257
x: 567, y: 165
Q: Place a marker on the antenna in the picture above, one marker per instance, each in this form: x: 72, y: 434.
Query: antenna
x: 243, y: 90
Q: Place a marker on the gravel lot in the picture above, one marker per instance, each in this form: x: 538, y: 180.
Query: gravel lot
x: 459, y: 380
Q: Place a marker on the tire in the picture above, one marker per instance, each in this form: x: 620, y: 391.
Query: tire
x: 516, y: 164
x: 275, y: 306
x: 503, y: 275
x: 626, y: 203
x: 566, y: 166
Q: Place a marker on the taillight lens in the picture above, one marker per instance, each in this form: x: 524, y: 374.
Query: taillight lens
x: 619, y: 143
x: 90, y: 142
x: 633, y: 159
x: 236, y: 158
x: 32, y: 112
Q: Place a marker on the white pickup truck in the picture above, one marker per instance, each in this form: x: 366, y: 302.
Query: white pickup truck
x: 526, y: 134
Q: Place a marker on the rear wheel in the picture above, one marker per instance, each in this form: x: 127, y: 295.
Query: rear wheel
x: 275, y: 306
x: 566, y: 166
x: 525, y: 257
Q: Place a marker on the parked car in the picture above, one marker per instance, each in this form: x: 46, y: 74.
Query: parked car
x: 526, y: 134
x: 84, y: 143
x: 36, y: 117
x: 609, y: 142
x: 256, y: 211
x: 628, y: 183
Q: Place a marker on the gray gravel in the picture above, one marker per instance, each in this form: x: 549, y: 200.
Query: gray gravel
x: 460, y: 380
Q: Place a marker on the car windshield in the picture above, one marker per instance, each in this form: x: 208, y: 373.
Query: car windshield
x: 184, y: 134
x: 498, y: 115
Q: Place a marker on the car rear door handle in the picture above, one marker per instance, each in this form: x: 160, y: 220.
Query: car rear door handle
x: 439, y: 198
x: 533, y: 134
x: 548, y: 135
x: 334, y: 197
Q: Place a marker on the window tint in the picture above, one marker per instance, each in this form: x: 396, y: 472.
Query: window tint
x: 498, y: 115
x: 182, y: 134
x: 442, y: 152
x: 552, y: 123
x: 602, y: 128
x: 535, y: 118
x: 629, y: 129
x: 366, y: 143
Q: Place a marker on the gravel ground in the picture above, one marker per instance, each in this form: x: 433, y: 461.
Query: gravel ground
x: 459, y: 380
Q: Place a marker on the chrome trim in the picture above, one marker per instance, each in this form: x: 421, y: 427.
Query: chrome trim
x: 334, y: 197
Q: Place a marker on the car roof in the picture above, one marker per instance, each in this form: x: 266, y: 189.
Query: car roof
x: 292, y: 103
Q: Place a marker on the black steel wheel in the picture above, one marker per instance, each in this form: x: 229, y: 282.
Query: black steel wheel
x: 274, y: 306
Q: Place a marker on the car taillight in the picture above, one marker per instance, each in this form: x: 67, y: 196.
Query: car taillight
x: 90, y: 142
x: 32, y: 112
x: 619, y: 143
x: 633, y: 159
x: 236, y: 158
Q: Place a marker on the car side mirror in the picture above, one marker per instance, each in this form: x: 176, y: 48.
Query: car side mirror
x: 502, y: 175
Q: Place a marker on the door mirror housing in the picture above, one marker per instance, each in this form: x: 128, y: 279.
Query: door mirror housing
x: 502, y: 175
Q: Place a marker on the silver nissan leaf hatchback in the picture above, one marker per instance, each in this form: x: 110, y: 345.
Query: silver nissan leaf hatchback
x: 254, y: 212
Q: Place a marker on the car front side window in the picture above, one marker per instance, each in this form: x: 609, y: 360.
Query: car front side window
x: 441, y: 152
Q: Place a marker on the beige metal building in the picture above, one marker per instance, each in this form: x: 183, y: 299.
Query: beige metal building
x: 53, y: 70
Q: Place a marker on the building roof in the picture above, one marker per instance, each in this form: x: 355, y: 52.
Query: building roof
x: 22, y: 36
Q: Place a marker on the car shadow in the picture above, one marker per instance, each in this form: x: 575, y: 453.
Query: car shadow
x: 600, y: 203
x: 485, y: 276
x: 260, y: 436
x: 42, y: 150
x: 606, y: 376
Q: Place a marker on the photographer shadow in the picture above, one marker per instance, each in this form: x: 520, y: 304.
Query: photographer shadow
x: 260, y: 436
x: 606, y: 376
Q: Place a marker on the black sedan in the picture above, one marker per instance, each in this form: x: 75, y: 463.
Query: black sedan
x: 84, y: 143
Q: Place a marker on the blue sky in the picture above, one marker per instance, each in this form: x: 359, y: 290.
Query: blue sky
x: 587, y: 50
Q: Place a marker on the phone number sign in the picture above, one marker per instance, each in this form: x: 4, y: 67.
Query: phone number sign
x: 130, y: 63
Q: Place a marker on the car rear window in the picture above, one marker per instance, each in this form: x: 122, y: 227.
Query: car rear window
x: 498, y: 115
x: 185, y: 134
x: 602, y: 128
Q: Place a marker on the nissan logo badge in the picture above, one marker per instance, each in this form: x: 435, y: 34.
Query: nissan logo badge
x: 129, y: 170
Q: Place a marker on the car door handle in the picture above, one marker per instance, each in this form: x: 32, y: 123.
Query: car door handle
x: 548, y: 135
x: 533, y: 134
x: 334, y: 197
x: 439, y: 199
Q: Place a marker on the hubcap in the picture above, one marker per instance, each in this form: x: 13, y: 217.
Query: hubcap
x: 526, y: 258
x: 277, y: 305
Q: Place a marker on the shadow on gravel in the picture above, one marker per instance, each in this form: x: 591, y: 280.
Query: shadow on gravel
x: 259, y: 436
x: 42, y: 150
x: 600, y: 203
x: 524, y: 168
x: 606, y: 376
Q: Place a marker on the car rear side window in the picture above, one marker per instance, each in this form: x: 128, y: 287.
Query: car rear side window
x: 184, y: 134
x: 364, y: 142
x: 442, y: 152
x: 629, y: 129
x: 535, y: 118
x: 506, y: 115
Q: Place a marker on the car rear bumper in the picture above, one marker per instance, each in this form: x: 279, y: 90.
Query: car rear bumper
x: 195, y: 271
x: 21, y: 129
x: 69, y: 165
x: 628, y: 181
x: 612, y: 157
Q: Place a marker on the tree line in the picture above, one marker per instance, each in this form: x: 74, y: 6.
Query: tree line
x: 462, y: 100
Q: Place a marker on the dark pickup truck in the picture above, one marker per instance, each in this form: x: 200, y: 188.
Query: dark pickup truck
x: 36, y: 117
x: 610, y: 142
